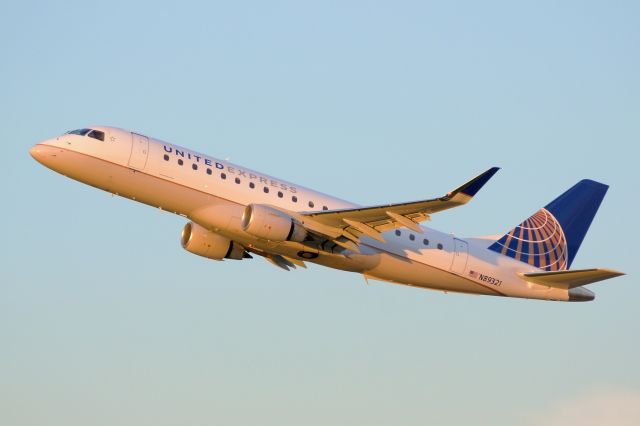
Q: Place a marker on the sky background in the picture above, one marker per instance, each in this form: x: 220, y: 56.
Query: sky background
x: 105, y: 319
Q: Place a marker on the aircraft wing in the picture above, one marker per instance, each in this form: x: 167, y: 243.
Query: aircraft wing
x: 371, y: 221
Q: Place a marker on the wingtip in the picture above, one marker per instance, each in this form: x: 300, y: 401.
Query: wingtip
x: 472, y: 187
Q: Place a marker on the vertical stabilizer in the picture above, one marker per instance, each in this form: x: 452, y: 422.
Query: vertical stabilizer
x: 550, y: 239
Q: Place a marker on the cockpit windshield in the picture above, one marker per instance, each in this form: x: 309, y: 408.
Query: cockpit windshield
x: 96, y: 134
x: 80, y: 132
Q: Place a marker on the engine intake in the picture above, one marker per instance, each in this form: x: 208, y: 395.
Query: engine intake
x: 270, y: 224
x: 198, y: 240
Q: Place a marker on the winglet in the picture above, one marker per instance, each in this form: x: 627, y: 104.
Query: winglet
x: 471, y: 188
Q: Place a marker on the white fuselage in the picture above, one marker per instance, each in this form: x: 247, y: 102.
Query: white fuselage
x: 214, y: 193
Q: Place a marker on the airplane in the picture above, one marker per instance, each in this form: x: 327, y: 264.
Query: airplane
x: 237, y: 213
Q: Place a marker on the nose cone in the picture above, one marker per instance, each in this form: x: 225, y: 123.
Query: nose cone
x: 35, y: 151
x: 47, y: 155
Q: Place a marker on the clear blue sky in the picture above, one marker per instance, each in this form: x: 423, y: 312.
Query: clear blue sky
x: 105, y: 320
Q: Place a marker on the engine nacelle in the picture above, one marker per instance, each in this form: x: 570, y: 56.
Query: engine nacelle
x: 198, y: 240
x: 270, y: 224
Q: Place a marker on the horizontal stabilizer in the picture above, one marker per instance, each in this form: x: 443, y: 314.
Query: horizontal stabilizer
x: 570, y: 279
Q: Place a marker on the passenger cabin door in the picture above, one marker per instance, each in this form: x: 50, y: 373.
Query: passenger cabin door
x: 460, y: 255
x: 139, y: 151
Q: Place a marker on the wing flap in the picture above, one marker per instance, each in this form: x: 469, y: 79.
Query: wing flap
x: 570, y: 279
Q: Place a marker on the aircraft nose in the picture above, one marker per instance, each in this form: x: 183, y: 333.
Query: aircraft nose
x: 35, y: 151
x: 45, y: 154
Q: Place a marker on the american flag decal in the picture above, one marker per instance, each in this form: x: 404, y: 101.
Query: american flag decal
x: 473, y: 274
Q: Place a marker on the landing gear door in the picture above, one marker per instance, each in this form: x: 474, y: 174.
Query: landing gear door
x: 139, y: 151
x: 460, y: 255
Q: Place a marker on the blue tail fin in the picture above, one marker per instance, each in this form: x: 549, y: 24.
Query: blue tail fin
x: 551, y: 237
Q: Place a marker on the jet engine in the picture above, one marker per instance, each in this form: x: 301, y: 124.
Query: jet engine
x: 198, y: 240
x: 271, y: 224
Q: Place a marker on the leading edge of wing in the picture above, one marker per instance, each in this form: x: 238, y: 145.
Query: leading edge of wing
x: 373, y: 220
x: 460, y: 195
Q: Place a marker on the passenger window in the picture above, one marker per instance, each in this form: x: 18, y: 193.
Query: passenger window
x: 294, y: 199
x: 266, y: 189
x: 180, y: 162
x: 252, y: 185
x: 425, y: 242
x: 237, y: 180
x: 311, y: 204
x: 439, y: 246
x: 412, y: 237
x: 398, y: 233
x: 209, y: 171
x: 166, y: 157
x: 280, y: 194
x: 223, y: 176
x: 325, y: 208
x: 96, y: 134
x: 194, y: 166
